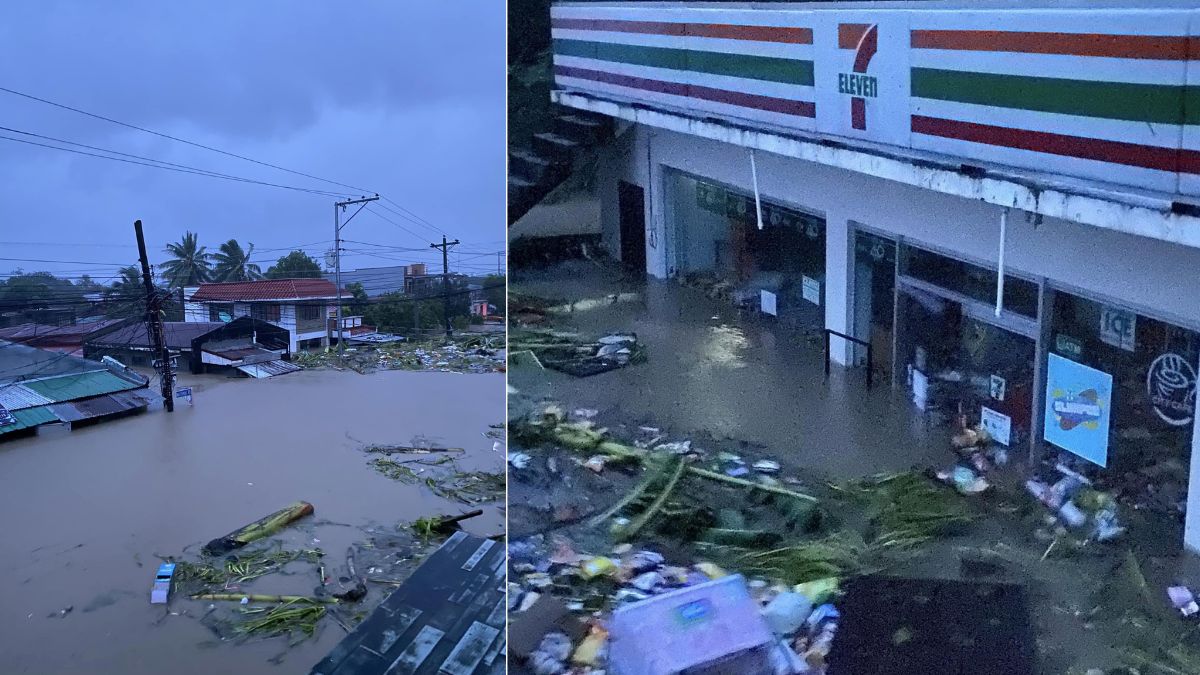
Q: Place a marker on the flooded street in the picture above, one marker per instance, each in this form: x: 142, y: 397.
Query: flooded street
x: 710, y: 370
x: 87, y: 512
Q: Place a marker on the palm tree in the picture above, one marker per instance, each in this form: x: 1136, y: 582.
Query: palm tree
x: 126, y: 296
x: 189, y: 265
x: 233, y: 264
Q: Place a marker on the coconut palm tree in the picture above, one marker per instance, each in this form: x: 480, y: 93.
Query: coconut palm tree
x: 231, y: 263
x: 127, y: 295
x: 189, y: 264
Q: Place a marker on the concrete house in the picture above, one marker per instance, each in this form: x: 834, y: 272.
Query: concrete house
x: 303, y: 307
x: 991, y: 212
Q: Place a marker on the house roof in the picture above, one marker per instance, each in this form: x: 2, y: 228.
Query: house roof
x: 266, y: 289
x: 177, y: 334
x: 29, y: 331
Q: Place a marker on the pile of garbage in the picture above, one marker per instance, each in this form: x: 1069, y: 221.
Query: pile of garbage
x: 475, y: 354
x: 1074, y: 505
x: 580, y: 633
x: 721, y: 511
x: 572, y: 354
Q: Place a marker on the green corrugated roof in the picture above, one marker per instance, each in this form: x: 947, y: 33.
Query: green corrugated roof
x: 29, y: 417
x: 79, y: 385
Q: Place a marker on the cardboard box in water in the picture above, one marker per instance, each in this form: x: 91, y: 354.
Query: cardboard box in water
x: 708, y: 629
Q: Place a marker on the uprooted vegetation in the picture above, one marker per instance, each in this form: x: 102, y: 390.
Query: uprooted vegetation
x: 441, y: 474
x: 467, y: 354
x: 756, y: 523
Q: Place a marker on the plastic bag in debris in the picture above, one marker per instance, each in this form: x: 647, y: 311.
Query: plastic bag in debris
x: 551, y: 655
x: 675, y: 447
x: 643, y: 561
x: 785, y: 614
x: 618, y: 339
x: 818, y: 590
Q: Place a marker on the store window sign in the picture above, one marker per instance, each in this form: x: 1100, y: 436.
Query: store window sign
x: 997, y: 388
x: 811, y: 289
x: 1078, y: 407
x: 998, y: 425
x: 767, y: 302
x: 1118, y: 328
x: 1171, y: 387
x: 1068, y: 346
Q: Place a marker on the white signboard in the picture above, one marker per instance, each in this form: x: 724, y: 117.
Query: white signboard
x: 920, y: 385
x: 184, y: 392
x: 767, y: 301
x: 998, y: 426
x: 1118, y: 328
x: 812, y: 290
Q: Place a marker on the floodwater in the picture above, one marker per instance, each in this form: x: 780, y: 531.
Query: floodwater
x: 712, y: 371
x: 87, y: 511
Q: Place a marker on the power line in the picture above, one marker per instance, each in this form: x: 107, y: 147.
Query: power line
x: 210, y: 148
x: 167, y: 166
x: 383, y: 217
x: 179, y: 140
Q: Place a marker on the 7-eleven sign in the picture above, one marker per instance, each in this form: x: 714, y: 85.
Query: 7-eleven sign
x: 863, y: 40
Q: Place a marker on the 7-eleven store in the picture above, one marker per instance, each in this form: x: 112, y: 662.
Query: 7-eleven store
x: 1002, y: 203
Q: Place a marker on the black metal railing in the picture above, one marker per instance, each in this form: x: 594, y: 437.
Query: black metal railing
x: 829, y: 333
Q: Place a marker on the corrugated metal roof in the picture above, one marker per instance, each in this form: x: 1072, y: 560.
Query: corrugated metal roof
x: 19, y: 397
x: 98, y: 406
x: 30, y: 417
x: 269, y: 368
x: 82, y: 385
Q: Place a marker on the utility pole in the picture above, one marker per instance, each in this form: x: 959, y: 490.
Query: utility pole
x: 338, y: 207
x: 445, y: 246
x: 154, y: 324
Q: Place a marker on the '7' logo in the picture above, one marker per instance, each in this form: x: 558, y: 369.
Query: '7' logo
x: 864, y: 40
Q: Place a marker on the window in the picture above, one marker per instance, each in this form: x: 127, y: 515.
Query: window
x: 265, y: 312
x: 310, y: 312
x: 221, y: 312
x: 1020, y: 295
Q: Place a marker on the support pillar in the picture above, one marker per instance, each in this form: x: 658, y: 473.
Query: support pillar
x: 839, y: 280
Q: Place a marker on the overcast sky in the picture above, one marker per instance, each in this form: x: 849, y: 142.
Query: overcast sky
x: 403, y: 98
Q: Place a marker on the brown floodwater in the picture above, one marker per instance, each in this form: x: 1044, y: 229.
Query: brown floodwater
x: 86, y: 512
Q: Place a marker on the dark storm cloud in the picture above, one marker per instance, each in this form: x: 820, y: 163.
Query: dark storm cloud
x: 403, y: 98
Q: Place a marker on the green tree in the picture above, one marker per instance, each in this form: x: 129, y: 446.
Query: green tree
x: 126, y: 296
x: 495, y: 292
x: 295, y: 265
x: 34, y: 291
x: 361, y: 299
x: 231, y: 263
x: 189, y: 264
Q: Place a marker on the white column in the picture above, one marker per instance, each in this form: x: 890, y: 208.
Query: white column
x: 1191, y: 525
x: 657, y: 264
x: 838, y: 284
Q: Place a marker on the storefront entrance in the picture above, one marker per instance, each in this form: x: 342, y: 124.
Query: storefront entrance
x: 716, y: 243
x: 960, y: 360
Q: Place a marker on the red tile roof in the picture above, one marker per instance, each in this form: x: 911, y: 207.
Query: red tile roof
x: 267, y: 289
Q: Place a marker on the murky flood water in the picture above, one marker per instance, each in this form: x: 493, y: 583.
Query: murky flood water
x: 86, y: 512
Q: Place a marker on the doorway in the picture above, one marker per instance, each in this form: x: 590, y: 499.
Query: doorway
x: 962, y: 360
x: 631, y: 204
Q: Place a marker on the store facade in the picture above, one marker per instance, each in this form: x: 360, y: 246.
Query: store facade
x: 1063, y: 315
